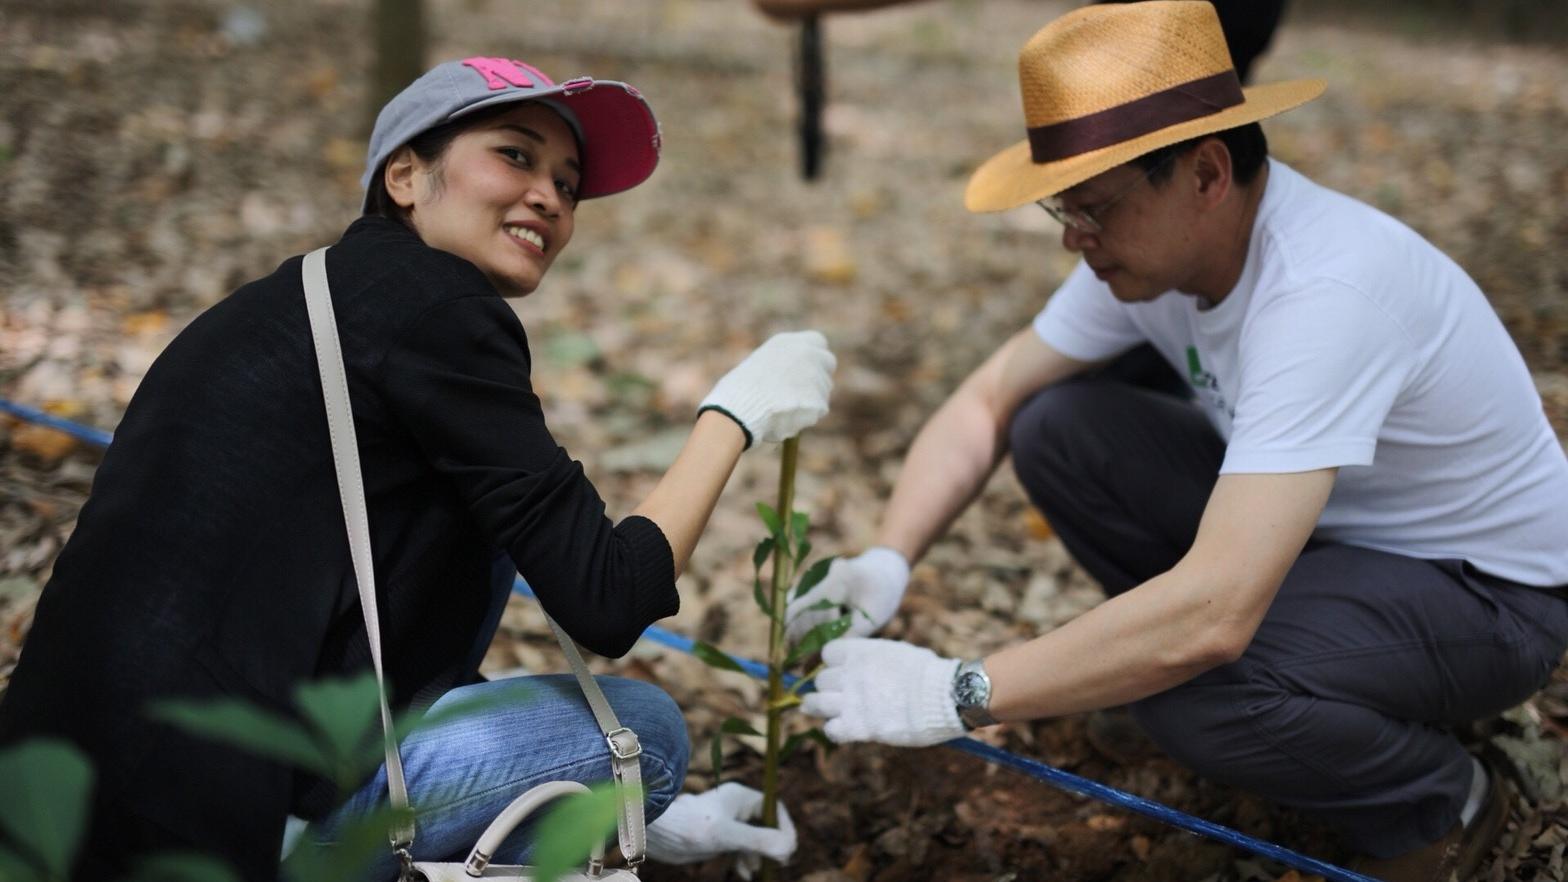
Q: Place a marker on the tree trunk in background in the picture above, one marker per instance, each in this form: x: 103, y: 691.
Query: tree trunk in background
x: 399, y: 26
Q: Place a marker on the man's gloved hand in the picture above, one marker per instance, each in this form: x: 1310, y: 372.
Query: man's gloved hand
x: 699, y: 826
x: 887, y: 691
x: 779, y: 389
x: 870, y: 585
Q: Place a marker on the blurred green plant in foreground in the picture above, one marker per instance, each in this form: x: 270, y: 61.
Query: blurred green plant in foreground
x: 48, y: 789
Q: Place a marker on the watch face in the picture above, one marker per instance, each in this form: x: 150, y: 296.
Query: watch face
x: 971, y: 689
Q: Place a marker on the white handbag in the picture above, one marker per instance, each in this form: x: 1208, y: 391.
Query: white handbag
x: 624, y: 748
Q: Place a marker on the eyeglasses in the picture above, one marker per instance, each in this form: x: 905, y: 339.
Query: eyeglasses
x: 1087, y: 220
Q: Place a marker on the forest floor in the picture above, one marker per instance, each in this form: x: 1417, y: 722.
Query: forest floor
x: 155, y: 154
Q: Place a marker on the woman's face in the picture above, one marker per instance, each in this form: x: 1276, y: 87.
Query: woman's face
x: 502, y: 196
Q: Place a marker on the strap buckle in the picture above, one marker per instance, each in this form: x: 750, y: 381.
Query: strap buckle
x: 633, y: 748
x: 405, y: 864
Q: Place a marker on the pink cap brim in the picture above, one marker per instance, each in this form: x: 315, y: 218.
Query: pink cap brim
x: 620, y: 137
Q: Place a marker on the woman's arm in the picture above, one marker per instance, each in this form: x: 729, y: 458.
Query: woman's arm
x: 779, y: 389
x: 683, y: 500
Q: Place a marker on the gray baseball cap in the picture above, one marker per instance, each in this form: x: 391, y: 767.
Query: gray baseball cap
x: 615, y: 127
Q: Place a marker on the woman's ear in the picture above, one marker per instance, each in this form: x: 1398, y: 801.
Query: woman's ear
x: 399, y: 176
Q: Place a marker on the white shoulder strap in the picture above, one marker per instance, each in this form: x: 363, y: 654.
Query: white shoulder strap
x: 351, y: 488
x: 623, y: 744
x: 624, y: 752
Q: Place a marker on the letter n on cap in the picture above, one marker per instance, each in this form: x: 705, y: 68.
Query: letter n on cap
x: 502, y: 72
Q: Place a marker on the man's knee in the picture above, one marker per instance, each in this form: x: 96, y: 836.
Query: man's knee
x: 1041, y: 432
x: 1205, y: 725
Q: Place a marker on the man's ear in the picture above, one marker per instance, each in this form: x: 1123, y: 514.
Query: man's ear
x: 1212, y: 171
x: 399, y: 176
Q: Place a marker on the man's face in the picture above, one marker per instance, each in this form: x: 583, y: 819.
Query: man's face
x: 1145, y: 243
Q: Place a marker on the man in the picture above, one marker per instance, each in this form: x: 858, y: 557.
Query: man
x: 1352, y: 539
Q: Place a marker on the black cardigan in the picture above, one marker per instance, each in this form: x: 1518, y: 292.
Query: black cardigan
x: 211, y: 557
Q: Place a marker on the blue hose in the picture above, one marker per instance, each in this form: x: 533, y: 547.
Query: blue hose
x: 1033, y: 768
x: 1064, y: 780
x: 93, y: 436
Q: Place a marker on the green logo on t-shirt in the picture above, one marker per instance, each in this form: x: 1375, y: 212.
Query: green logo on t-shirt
x: 1201, y: 379
x: 1207, y: 385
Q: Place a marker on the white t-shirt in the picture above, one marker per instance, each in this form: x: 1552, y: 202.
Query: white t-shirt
x: 1350, y: 341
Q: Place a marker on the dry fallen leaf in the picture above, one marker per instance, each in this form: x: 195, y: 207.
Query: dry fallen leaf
x: 41, y: 446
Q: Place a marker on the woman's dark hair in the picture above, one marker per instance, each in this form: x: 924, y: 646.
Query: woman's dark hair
x: 1247, y: 145
x: 429, y: 145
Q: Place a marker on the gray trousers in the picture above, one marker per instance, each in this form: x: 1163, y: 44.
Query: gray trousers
x: 1341, y: 705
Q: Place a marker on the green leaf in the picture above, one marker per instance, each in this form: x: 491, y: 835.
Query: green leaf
x: 761, y: 597
x: 571, y: 828
x: 863, y: 614
x: 182, y: 866
x: 15, y: 868
x: 47, y: 784
x: 356, y: 845
x: 715, y: 657
x: 738, y: 726
x: 790, y: 744
x: 805, y: 679
x: 816, y: 637
x: 784, y: 702
x: 760, y: 556
x: 716, y: 757
x: 770, y: 518
x: 240, y: 724
x: 799, y: 523
x: 824, y: 603
x: 802, y: 549
x: 814, y: 575
x: 344, y: 716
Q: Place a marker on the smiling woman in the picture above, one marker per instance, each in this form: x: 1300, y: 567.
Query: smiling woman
x: 502, y: 196
x: 211, y: 561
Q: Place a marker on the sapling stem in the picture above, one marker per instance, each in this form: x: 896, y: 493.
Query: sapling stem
x: 778, y: 648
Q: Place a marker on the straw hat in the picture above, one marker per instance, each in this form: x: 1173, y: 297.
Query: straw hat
x: 1107, y: 83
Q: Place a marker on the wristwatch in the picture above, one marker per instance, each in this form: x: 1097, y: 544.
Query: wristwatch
x: 972, y: 695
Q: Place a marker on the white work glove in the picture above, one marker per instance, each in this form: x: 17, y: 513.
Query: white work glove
x: 779, y: 389
x: 887, y: 691
x: 870, y: 586
x: 697, y: 827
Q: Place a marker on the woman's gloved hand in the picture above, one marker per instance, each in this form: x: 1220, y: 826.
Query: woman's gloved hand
x: 869, y: 586
x: 779, y: 389
x: 887, y: 691
x: 697, y: 827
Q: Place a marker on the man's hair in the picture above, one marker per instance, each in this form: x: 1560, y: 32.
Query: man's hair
x: 1247, y: 145
x: 429, y: 145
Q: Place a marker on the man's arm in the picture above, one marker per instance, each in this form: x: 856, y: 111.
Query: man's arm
x: 1198, y: 615
x: 960, y: 445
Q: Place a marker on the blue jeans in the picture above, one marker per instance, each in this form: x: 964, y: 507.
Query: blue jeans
x: 526, y: 731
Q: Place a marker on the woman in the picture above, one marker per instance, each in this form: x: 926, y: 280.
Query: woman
x: 211, y: 559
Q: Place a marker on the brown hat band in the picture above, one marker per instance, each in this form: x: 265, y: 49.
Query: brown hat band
x: 1136, y: 118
